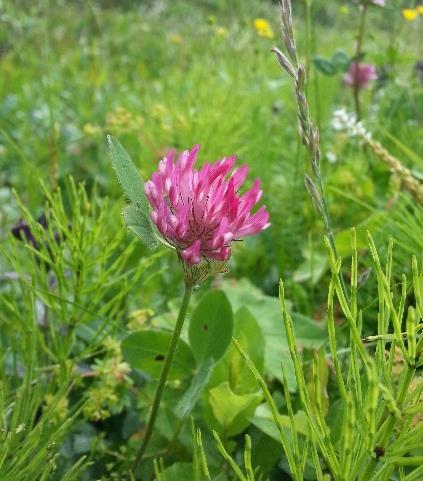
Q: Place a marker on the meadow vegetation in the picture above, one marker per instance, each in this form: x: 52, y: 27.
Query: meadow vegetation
x: 304, y: 360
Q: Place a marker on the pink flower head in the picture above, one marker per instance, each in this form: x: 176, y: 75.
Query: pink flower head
x: 200, y: 212
x: 360, y: 75
x: 381, y: 3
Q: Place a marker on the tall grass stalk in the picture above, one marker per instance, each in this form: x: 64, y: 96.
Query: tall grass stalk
x: 309, y: 133
x: 358, y: 50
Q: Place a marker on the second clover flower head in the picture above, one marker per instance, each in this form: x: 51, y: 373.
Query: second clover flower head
x: 360, y: 75
x: 200, y: 211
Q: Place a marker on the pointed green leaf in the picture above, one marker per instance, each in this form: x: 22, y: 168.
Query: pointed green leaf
x: 147, y: 350
x: 188, y: 401
x: 178, y: 470
x: 128, y: 175
x: 341, y: 60
x: 263, y: 419
x: 250, y: 337
x: 324, y: 66
x: 232, y: 413
x: 211, y: 327
x: 266, y: 310
x: 140, y: 225
x: 210, y: 334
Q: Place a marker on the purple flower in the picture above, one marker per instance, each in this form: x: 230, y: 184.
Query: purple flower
x: 419, y: 69
x: 200, y: 212
x: 360, y: 74
x: 23, y: 232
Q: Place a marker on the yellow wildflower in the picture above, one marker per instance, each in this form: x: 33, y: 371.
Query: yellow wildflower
x: 90, y: 129
x: 60, y: 411
x: 221, y: 32
x: 263, y: 28
x: 138, y: 319
x: 122, y: 120
x: 175, y: 38
x: 158, y: 111
x: 409, y: 14
x: 420, y: 9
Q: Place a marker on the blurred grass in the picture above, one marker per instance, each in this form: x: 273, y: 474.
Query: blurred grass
x: 162, y: 74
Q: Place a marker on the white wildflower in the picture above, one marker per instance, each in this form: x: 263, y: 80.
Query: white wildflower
x: 343, y: 121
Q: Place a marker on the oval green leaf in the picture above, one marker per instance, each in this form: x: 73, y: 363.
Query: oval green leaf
x: 324, y: 66
x: 128, y: 175
x: 147, y: 350
x: 140, y: 225
x: 211, y: 327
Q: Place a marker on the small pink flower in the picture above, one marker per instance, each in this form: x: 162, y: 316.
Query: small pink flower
x: 381, y: 3
x: 200, y: 212
x: 360, y: 75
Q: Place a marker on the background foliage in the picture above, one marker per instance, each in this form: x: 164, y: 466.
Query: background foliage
x: 81, y: 298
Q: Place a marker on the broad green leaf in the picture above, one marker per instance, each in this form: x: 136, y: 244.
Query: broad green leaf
x: 128, y: 175
x: 140, y: 225
x: 263, y: 419
x: 232, y: 412
x: 250, y: 337
x: 324, y: 66
x: 334, y: 419
x: 189, y: 399
x: 313, y: 267
x: 210, y: 334
x: 147, y: 350
x: 266, y: 310
x: 211, y: 327
x: 341, y: 61
x: 232, y: 367
x: 179, y: 471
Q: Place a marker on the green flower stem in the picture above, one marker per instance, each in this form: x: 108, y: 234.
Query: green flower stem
x: 164, y: 374
x: 360, y: 37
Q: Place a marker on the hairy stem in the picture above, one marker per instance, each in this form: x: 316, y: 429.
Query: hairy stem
x: 164, y: 374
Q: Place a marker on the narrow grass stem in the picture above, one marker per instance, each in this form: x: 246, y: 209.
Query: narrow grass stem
x: 164, y: 375
x: 359, y: 44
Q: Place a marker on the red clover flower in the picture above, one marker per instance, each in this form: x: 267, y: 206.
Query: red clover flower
x: 200, y: 212
x: 360, y: 75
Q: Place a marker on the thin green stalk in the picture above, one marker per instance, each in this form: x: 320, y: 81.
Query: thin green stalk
x: 164, y: 374
x: 247, y: 459
x: 202, y: 455
x: 297, y: 474
x: 52, y: 140
x: 316, y: 89
x: 359, y: 44
x: 307, y: 37
x: 229, y: 458
x: 315, y: 419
